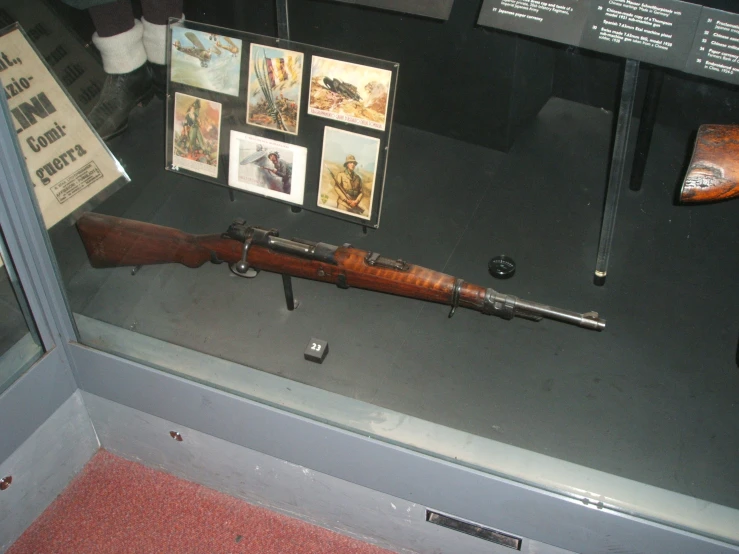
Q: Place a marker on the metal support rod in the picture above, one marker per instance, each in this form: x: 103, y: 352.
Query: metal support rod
x: 287, y: 284
x: 283, y: 22
x: 231, y: 195
x: 646, y: 126
x: 618, y: 162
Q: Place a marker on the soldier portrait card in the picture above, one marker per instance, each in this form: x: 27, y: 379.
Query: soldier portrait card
x: 196, y: 134
x: 348, y: 171
x: 349, y: 92
x: 267, y: 167
x: 206, y: 60
x: 275, y: 81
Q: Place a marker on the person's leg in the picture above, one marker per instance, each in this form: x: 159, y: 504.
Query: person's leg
x: 156, y: 14
x: 119, y: 38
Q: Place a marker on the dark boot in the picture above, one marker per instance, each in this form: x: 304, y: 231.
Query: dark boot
x: 121, y: 93
x: 159, y: 76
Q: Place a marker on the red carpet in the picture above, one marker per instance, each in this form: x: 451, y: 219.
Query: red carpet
x: 115, y: 505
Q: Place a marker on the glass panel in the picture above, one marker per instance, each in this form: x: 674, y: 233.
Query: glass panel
x: 19, y: 342
x: 502, y: 145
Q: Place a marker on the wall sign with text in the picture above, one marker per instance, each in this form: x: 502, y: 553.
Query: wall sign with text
x: 669, y: 33
x: 67, y: 162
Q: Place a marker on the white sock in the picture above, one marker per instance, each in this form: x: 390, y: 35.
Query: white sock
x: 124, y: 52
x: 155, y: 42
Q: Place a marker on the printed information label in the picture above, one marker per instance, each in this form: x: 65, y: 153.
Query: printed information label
x: 77, y: 182
x: 557, y: 20
x: 715, y: 51
x: 658, y: 31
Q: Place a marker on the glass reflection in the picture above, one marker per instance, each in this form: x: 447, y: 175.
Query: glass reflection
x: 19, y: 342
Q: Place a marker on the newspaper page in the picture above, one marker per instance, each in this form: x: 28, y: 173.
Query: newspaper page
x: 67, y: 162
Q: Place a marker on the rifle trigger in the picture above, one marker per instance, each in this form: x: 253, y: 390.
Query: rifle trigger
x: 341, y: 281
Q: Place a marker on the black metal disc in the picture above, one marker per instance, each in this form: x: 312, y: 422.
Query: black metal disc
x: 502, y: 267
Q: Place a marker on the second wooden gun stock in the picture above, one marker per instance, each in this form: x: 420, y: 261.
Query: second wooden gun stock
x: 713, y: 173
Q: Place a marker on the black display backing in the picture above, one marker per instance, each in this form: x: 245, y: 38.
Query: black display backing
x: 651, y: 398
x: 310, y: 133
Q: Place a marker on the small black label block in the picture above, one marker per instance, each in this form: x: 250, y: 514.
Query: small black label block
x: 316, y: 350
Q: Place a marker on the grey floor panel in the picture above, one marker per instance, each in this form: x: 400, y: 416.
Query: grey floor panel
x: 651, y: 398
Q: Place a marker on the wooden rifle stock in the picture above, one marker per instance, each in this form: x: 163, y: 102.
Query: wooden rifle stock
x: 114, y: 241
x: 713, y: 173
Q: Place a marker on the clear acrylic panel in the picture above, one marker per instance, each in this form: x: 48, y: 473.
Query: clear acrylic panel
x: 280, y: 119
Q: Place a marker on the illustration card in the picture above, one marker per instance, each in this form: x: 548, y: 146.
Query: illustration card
x: 196, y: 134
x: 267, y: 167
x: 206, y: 60
x: 348, y: 171
x: 275, y: 80
x: 349, y: 92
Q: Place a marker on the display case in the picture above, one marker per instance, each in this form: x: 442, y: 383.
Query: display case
x: 615, y: 433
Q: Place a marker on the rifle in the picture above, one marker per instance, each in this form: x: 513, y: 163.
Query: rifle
x: 114, y: 241
x: 713, y: 173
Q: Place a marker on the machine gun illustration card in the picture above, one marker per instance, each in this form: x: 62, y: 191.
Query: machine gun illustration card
x: 349, y: 92
x: 267, y: 167
x: 348, y: 171
x: 196, y: 134
x: 275, y: 81
x: 206, y: 60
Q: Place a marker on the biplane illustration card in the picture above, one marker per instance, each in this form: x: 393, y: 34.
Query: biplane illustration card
x: 206, y: 60
x: 196, y: 134
x: 275, y: 80
x: 267, y: 167
x: 349, y: 92
x: 348, y: 171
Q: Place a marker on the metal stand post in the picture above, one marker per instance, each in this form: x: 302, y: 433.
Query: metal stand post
x: 283, y: 22
x: 287, y: 284
x: 646, y: 126
x: 618, y: 162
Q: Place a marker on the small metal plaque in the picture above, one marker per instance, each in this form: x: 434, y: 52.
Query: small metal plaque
x: 474, y: 529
